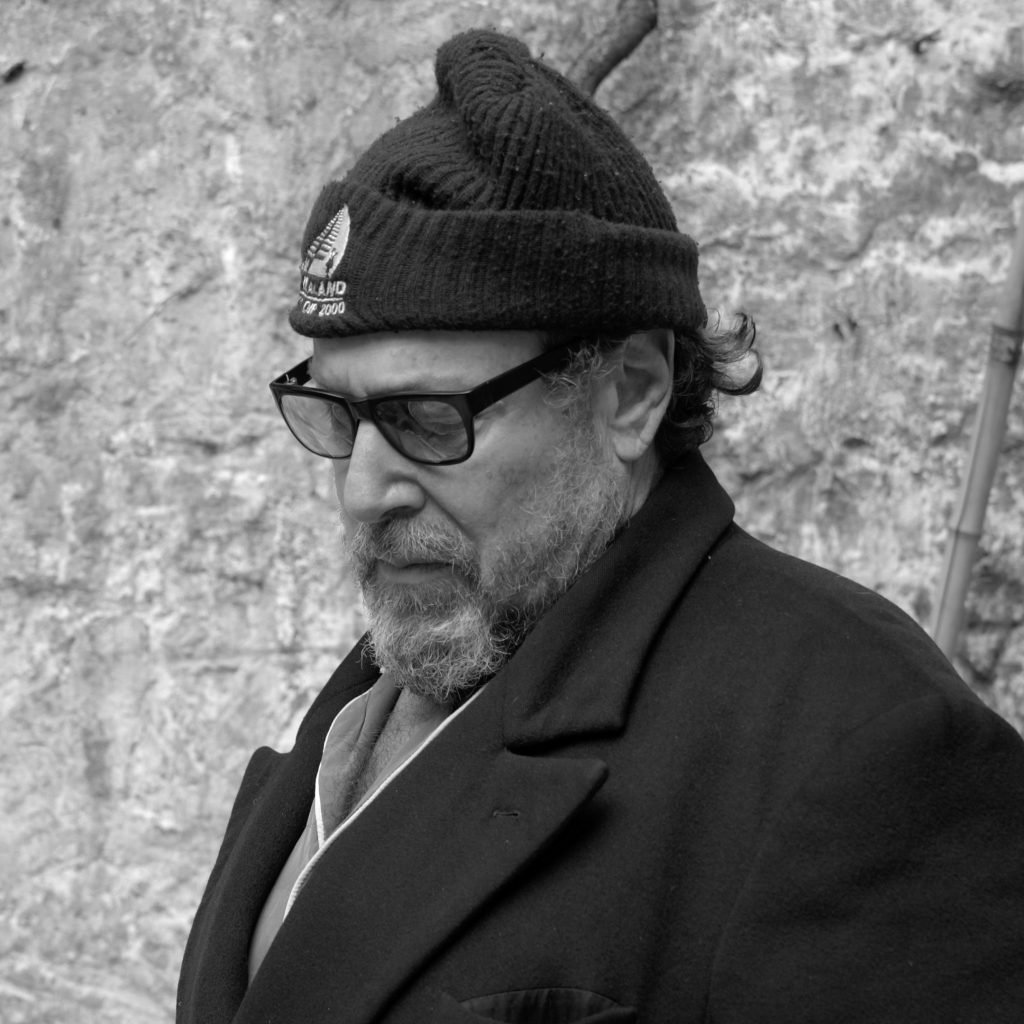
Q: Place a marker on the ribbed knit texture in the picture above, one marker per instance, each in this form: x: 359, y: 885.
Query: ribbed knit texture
x: 510, y: 201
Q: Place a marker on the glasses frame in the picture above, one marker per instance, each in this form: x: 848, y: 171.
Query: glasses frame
x: 469, y: 403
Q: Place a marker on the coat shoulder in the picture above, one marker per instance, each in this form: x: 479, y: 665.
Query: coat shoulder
x: 804, y: 623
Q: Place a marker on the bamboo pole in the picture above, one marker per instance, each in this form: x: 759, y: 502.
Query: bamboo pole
x: 1004, y: 354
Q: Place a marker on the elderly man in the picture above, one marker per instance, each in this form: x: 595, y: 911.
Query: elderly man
x: 601, y: 755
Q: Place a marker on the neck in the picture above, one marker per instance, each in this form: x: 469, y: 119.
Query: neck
x: 643, y: 478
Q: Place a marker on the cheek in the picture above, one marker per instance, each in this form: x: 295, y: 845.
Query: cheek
x: 496, y: 502
x: 482, y: 503
x: 492, y: 498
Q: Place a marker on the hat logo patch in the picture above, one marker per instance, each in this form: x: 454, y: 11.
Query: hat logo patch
x: 320, y: 292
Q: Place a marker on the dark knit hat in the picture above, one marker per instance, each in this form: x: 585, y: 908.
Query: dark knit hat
x: 509, y: 202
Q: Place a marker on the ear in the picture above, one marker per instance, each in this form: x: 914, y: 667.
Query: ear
x: 637, y: 393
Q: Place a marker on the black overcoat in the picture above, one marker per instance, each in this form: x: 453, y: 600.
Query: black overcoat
x: 715, y: 784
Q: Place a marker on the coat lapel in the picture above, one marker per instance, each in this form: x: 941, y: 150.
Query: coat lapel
x: 274, y: 797
x: 421, y: 859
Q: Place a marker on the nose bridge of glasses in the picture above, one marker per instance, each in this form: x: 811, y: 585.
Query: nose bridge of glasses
x: 365, y: 410
x: 360, y: 409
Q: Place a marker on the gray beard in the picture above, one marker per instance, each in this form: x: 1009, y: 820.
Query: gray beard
x: 440, y: 639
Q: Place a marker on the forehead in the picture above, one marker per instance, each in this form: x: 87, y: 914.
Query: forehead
x: 418, y: 361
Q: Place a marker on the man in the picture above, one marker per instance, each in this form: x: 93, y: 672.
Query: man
x: 601, y: 756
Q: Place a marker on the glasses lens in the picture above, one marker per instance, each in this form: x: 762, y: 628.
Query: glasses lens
x: 325, y: 428
x: 425, y: 429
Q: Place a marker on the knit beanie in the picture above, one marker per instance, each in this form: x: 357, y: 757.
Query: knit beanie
x: 510, y: 202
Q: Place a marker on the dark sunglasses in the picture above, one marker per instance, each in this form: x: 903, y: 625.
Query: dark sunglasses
x: 434, y: 428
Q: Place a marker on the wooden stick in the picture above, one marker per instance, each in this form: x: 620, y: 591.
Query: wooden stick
x: 1004, y: 355
x: 633, y: 20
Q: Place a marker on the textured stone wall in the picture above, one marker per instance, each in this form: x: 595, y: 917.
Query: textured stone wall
x: 171, y: 591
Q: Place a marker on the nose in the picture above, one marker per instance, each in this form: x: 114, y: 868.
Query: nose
x: 375, y: 481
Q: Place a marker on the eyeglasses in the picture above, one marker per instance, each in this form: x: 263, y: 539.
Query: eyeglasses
x: 434, y: 428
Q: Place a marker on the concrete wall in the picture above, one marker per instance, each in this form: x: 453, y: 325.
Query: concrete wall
x: 172, y: 595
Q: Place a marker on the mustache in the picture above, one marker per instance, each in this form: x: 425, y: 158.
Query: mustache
x: 405, y: 541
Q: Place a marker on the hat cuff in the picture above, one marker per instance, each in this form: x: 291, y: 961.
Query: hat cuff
x: 411, y: 268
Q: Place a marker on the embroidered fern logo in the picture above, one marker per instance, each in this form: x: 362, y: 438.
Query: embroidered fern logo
x: 319, y: 292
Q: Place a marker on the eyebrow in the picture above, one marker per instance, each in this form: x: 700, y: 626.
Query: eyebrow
x: 314, y: 377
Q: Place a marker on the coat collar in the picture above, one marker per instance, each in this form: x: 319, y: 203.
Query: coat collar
x: 575, y: 673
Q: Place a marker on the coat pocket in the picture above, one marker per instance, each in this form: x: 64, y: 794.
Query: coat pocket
x: 549, y: 1006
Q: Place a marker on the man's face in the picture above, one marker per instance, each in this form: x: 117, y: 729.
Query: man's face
x: 457, y: 562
